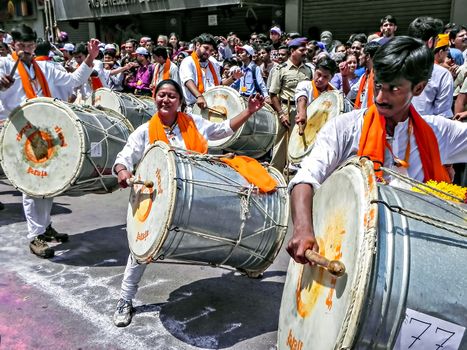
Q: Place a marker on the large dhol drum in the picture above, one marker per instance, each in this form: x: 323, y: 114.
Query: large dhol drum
x: 201, y: 210
x: 395, y: 263
x: 137, y: 110
x: 328, y: 105
x: 50, y: 146
x: 254, y: 138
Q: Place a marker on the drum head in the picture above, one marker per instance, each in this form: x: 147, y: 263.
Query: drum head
x: 150, y: 209
x: 228, y: 103
x: 327, y: 106
x: 319, y: 310
x: 43, y: 146
x: 109, y: 99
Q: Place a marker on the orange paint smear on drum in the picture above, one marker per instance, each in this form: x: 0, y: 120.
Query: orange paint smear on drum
x: 313, y: 125
x: 39, y: 147
x: 145, y: 197
x: 313, y: 280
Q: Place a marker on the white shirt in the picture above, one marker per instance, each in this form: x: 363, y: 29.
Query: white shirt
x: 188, y: 72
x: 56, y: 78
x: 339, y: 139
x: 436, y: 98
x: 85, y: 90
x: 138, y: 142
x: 304, y: 88
x: 173, y: 73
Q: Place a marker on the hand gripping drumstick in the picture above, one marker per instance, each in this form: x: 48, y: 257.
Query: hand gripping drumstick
x: 335, y: 267
x: 147, y: 183
x: 301, y: 131
x: 20, y: 57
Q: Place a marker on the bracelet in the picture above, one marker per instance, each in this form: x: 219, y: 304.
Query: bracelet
x: 120, y: 170
x: 199, y: 96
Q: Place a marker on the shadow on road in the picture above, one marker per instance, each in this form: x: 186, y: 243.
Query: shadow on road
x: 107, y: 246
x: 220, y: 312
x: 13, y: 212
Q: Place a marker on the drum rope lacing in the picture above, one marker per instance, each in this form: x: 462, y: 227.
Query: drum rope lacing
x: 107, y: 136
x: 440, y: 223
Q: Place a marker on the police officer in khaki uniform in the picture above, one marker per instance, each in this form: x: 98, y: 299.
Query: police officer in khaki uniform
x: 284, y: 80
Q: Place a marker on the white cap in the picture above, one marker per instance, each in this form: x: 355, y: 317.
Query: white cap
x: 109, y: 47
x: 142, y: 51
x: 68, y: 47
x: 248, y: 49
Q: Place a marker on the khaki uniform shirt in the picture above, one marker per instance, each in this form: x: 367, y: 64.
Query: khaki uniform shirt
x: 285, y: 79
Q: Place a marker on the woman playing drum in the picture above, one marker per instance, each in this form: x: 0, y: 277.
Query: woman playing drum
x: 177, y: 129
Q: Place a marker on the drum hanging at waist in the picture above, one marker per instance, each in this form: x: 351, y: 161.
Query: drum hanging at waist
x: 49, y: 147
x: 328, y: 105
x: 138, y: 110
x: 400, y: 249
x: 202, y: 210
x: 254, y: 138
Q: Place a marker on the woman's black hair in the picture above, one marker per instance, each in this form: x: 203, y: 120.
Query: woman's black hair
x: 403, y: 57
x: 172, y: 82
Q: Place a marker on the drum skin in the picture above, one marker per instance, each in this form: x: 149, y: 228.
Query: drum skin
x: 199, y: 210
x: 50, y: 147
x: 328, y: 105
x: 254, y: 138
x: 137, y: 110
x: 393, y: 262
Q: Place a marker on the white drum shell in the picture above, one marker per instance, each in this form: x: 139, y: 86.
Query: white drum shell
x: 197, y: 212
x: 254, y: 138
x: 137, y: 110
x: 408, y: 264
x: 328, y: 105
x: 84, y: 143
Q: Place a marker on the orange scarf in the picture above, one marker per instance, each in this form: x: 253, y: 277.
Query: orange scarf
x: 25, y: 80
x: 370, y: 90
x: 165, y: 73
x: 249, y: 168
x: 199, y: 72
x: 96, y: 83
x: 373, y: 140
x: 316, y: 92
x: 42, y: 58
x: 194, y: 141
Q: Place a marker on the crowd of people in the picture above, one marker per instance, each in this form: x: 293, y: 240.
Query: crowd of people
x: 425, y: 75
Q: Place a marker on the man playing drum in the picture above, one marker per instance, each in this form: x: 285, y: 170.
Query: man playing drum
x: 177, y: 129
x: 390, y: 132
x: 198, y: 72
x: 307, y: 91
x: 32, y: 79
x: 284, y: 81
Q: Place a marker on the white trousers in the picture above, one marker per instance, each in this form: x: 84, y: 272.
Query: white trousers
x: 131, y: 278
x: 37, y: 212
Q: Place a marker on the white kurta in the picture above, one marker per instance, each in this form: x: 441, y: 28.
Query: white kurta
x: 339, y: 139
x: 188, y: 72
x: 56, y: 78
x: 37, y: 210
x: 138, y: 142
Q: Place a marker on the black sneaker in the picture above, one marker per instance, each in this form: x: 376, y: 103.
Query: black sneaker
x: 40, y: 248
x: 53, y: 236
x: 124, y: 313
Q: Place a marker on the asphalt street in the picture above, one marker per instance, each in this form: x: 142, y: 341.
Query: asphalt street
x: 67, y: 302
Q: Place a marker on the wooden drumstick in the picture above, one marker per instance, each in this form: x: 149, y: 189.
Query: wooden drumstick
x: 215, y: 111
x: 147, y: 183
x: 301, y: 131
x: 20, y: 57
x: 335, y: 267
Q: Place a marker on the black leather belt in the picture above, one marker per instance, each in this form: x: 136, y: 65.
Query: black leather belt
x: 292, y: 102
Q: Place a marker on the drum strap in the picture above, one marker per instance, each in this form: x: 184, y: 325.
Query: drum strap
x: 370, y: 91
x: 199, y: 72
x: 194, y: 141
x: 26, y: 81
x: 373, y: 142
